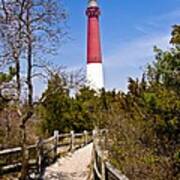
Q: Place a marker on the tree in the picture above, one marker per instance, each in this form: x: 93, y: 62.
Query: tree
x: 175, y: 35
x: 30, y: 29
x: 59, y: 110
x: 55, y: 106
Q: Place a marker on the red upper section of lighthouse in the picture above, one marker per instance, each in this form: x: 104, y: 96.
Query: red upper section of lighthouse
x: 93, y: 39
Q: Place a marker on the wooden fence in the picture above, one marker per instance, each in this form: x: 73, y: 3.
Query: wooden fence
x: 101, y: 168
x: 43, y: 152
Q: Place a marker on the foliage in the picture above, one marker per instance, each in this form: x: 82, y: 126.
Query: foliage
x: 5, y: 79
x: 144, y: 131
x: 175, y: 35
x: 62, y: 112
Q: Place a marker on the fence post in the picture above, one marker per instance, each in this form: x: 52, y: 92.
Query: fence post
x: 40, y: 155
x: 72, y: 141
x: 26, y: 152
x: 25, y: 162
x: 103, y: 166
x: 94, y: 136
x: 56, y: 138
x: 85, y: 137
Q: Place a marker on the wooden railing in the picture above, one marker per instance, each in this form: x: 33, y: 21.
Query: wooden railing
x: 101, y: 168
x: 43, y: 152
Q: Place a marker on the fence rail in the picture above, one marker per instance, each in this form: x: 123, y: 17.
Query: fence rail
x: 102, y: 169
x: 44, y: 152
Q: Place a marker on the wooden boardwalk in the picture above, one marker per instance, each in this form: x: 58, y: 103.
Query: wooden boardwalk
x: 74, y: 166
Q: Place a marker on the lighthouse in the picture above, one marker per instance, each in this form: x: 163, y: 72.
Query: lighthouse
x: 95, y: 77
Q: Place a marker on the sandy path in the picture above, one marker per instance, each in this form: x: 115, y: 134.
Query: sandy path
x: 71, y: 167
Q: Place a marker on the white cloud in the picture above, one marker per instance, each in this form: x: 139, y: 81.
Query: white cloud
x: 137, y: 52
x: 129, y: 58
x: 168, y: 16
x: 159, y: 23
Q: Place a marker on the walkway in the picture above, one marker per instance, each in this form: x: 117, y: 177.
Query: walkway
x: 71, y: 167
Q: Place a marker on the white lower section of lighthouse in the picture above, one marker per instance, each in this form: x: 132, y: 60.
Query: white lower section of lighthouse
x: 95, y: 76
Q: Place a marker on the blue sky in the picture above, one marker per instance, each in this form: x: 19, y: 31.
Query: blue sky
x: 129, y: 30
